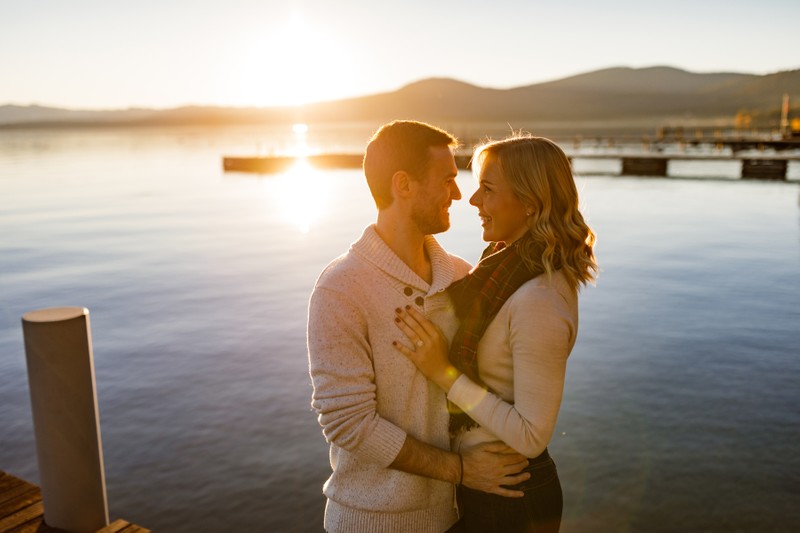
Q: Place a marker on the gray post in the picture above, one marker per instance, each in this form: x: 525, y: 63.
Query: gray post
x: 58, y: 349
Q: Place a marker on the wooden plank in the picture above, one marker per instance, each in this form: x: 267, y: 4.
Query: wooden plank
x: 22, y: 510
x: 15, y: 491
x: 7, y: 482
x: 25, y: 514
x: 133, y: 528
x: 36, y: 525
x: 19, y: 502
x: 116, y: 526
x: 122, y: 526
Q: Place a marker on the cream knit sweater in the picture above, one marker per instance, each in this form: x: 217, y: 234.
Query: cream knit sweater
x: 522, y: 356
x: 369, y: 396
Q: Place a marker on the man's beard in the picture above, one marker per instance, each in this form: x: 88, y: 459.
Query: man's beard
x: 429, y: 219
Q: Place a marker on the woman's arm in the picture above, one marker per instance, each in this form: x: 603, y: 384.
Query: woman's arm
x: 541, y: 327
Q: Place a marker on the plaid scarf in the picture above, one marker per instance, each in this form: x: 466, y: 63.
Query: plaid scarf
x: 477, y: 299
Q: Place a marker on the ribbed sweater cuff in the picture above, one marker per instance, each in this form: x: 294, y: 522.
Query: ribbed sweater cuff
x: 384, y: 443
x: 466, y: 394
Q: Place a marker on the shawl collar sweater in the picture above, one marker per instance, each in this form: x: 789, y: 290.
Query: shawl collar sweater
x: 368, y: 396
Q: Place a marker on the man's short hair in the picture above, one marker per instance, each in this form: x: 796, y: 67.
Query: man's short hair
x: 400, y: 145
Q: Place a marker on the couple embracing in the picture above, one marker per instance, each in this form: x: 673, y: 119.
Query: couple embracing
x: 438, y: 385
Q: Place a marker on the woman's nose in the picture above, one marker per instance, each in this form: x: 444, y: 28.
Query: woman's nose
x: 473, y: 200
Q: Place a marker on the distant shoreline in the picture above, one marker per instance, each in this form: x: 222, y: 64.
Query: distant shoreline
x: 597, y: 129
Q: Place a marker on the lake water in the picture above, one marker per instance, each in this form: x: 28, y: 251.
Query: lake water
x: 682, y: 402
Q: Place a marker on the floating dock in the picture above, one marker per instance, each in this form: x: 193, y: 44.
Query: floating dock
x: 21, y: 510
x: 276, y: 164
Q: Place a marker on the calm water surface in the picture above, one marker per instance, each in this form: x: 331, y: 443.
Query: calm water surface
x: 681, y: 409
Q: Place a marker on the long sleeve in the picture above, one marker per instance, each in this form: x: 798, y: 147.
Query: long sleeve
x: 343, y: 377
x: 536, y: 329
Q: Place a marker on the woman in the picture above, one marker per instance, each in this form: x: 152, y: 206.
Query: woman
x: 504, y: 372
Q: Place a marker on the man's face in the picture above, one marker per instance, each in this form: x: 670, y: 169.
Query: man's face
x: 435, y: 191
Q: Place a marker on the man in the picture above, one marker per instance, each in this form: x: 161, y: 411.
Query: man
x: 386, y: 424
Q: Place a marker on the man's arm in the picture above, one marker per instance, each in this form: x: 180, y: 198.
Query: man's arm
x: 485, y: 467
x: 344, y: 398
x: 342, y: 374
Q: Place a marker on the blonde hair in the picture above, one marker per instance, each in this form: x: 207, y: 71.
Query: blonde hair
x: 540, y: 175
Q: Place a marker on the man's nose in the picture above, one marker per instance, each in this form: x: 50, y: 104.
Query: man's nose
x: 455, y: 192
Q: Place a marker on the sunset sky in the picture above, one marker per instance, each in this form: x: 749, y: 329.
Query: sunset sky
x: 109, y: 54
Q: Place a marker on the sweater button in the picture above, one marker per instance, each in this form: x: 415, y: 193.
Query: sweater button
x: 420, y: 301
x: 408, y: 291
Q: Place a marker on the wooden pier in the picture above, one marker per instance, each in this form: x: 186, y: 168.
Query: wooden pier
x: 754, y: 166
x: 22, y: 511
x: 765, y: 167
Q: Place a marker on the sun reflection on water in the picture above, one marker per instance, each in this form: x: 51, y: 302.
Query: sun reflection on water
x: 299, y: 146
x: 300, y: 196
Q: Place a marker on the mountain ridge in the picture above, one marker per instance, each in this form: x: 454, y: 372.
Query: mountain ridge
x: 657, y: 94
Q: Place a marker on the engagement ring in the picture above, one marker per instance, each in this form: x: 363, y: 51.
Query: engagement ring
x: 420, y: 343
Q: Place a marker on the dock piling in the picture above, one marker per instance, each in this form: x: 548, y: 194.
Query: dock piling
x: 58, y: 350
x: 768, y: 169
x: 644, y: 166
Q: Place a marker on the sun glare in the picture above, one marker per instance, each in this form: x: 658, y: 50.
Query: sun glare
x: 295, y: 65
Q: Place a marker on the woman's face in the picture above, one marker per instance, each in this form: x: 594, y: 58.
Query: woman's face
x: 503, y: 215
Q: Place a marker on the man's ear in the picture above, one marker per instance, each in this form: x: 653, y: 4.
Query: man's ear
x: 401, y: 184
